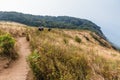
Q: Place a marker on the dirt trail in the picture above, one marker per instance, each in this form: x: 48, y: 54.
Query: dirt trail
x: 19, y: 69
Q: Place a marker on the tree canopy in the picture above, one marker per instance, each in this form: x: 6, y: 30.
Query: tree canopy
x: 64, y: 22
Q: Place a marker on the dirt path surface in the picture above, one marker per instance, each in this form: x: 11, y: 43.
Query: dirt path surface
x: 19, y: 69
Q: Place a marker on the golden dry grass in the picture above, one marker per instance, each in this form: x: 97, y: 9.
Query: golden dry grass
x: 56, y: 55
x: 103, y: 61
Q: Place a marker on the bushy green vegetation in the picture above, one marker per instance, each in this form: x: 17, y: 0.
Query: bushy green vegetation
x: 77, y: 39
x: 7, y: 43
x: 65, y: 41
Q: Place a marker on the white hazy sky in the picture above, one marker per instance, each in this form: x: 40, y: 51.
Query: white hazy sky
x: 105, y: 13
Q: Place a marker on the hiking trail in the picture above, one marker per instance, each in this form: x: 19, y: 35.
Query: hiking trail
x: 18, y: 70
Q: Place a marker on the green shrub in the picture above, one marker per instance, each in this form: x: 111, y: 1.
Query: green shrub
x: 77, y: 39
x: 65, y: 41
x: 7, y: 46
x: 33, y: 58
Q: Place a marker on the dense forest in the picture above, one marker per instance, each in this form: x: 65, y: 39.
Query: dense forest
x: 64, y: 22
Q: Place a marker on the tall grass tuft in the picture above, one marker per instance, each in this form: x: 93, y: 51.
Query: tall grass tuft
x: 54, y: 63
x: 77, y: 39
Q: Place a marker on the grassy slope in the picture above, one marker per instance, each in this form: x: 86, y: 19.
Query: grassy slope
x: 58, y: 55
x: 8, y: 50
x: 8, y: 34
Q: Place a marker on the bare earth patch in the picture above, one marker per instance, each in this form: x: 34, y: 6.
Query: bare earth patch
x: 18, y: 70
x: 3, y: 63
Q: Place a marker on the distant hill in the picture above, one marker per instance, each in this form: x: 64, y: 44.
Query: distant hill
x: 64, y: 22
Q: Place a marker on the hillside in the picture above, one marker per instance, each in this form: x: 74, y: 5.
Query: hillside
x: 64, y: 22
x: 63, y: 54
x: 10, y: 68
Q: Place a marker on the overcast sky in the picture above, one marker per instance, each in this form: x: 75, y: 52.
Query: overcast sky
x: 105, y: 13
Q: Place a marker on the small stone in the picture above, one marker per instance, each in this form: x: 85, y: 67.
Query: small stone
x: 6, y: 66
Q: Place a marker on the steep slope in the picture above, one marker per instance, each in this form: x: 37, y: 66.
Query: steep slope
x: 64, y: 22
x: 61, y: 54
x: 72, y: 55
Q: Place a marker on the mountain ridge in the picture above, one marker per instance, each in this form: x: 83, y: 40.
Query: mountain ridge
x: 64, y: 22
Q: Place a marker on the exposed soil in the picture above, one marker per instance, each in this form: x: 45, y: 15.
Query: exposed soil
x: 19, y: 69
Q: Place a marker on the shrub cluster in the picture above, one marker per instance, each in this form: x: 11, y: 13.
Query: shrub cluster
x: 7, y: 43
